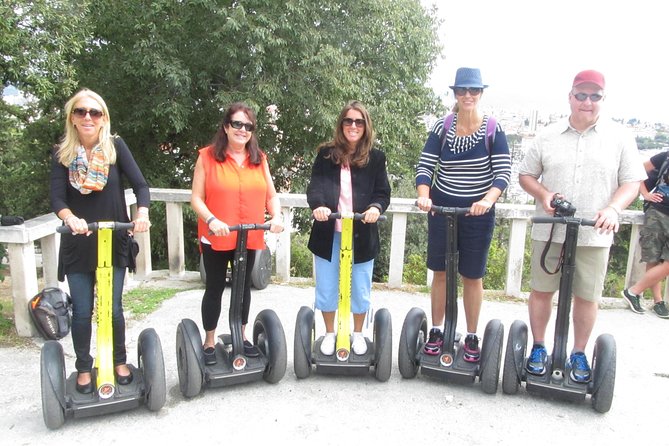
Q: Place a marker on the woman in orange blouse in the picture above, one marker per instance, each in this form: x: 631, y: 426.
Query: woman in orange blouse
x: 231, y: 185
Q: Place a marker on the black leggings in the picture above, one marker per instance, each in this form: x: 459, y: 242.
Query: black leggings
x: 216, y: 267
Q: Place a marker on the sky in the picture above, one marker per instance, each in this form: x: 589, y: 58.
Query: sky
x: 529, y: 52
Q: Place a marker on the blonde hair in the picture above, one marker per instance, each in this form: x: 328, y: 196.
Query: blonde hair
x: 67, y: 149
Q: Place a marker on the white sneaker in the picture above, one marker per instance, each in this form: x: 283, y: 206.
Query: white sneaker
x: 359, y: 345
x: 328, y: 344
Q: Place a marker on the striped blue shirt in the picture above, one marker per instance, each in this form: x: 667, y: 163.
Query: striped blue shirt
x: 463, y: 171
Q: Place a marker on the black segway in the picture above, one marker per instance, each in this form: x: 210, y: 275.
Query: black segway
x: 232, y: 365
x: 556, y: 381
x: 450, y: 364
x: 343, y: 362
x: 60, y: 399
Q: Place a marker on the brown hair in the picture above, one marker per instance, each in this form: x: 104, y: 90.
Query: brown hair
x: 220, y: 141
x: 339, y: 143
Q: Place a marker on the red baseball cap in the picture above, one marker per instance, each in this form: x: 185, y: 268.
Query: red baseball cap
x: 589, y: 77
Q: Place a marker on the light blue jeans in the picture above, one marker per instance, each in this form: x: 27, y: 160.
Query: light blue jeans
x: 327, y: 282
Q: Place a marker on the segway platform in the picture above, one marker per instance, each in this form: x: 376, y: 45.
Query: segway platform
x: 343, y: 363
x: 124, y: 398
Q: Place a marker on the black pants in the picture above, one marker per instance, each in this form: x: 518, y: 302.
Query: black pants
x: 216, y: 267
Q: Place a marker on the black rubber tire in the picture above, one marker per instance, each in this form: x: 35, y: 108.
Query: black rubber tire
x: 302, y: 342
x: 261, y: 274
x: 491, y: 355
x: 514, y: 358
x: 152, y: 364
x: 52, y: 380
x: 604, y: 373
x: 269, y: 337
x: 383, y: 345
x: 188, y: 365
x: 413, y: 337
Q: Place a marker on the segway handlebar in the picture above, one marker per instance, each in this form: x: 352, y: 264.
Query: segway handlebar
x: 114, y: 225
x: 564, y: 220
x: 449, y: 210
x: 250, y: 226
x: 356, y: 216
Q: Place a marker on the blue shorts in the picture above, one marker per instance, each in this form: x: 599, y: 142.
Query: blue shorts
x: 474, y: 237
x: 327, y: 282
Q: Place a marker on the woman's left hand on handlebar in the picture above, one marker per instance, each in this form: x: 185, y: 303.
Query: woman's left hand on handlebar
x: 371, y: 215
x: 480, y: 207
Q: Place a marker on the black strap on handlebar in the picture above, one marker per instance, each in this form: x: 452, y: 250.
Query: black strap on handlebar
x: 545, y: 252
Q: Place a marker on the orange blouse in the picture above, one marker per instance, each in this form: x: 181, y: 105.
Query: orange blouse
x: 235, y: 195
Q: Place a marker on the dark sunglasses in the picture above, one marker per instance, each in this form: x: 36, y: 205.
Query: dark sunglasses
x: 461, y: 91
x: 349, y: 122
x: 239, y: 124
x: 594, y: 97
x: 82, y: 112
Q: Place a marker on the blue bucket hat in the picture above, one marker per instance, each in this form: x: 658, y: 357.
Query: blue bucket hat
x: 468, y: 77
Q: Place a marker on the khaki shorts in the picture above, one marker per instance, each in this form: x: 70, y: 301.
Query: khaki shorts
x: 654, y: 237
x: 591, y: 264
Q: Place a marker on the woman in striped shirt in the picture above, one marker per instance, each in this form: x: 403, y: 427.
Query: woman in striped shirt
x: 464, y: 165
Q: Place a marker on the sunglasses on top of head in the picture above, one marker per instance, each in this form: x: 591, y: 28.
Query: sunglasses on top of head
x: 82, y: 112
x: 239, y: 124
x: 348, y: 122
x: 461, y: 91
x: 594, y: 97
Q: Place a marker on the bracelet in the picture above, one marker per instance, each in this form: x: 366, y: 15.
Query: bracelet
x: 143, y: 211
x: 615, y: 208
x: 210, y: 219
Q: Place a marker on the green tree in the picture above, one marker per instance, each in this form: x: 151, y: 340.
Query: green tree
x: 168, y: 68
x: 40, y: 40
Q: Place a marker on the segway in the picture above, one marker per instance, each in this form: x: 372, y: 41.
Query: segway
x: 556, y: 381
x: 60, y: 399
x: 233, y: 366
x: 450, y: 365
x: 307, y: 352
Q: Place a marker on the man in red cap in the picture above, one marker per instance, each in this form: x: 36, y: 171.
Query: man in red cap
x: 592, y: 163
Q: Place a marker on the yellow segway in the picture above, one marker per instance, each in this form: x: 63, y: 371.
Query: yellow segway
x: 60, y: 398
x: 379, y: 351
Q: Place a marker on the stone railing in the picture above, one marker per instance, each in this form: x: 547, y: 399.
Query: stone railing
x: 20, y: 241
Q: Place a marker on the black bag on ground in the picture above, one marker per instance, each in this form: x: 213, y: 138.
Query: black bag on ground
x: 51, y: 312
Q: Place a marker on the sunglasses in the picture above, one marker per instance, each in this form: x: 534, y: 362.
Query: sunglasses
x: 82, y: 112
x: 348, y: 122
x: 239, y: 124
x: 461, y: 91
x: 594, y: 97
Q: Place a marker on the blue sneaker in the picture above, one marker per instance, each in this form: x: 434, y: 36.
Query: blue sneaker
x: 536, y: 363
x: 580, y: 370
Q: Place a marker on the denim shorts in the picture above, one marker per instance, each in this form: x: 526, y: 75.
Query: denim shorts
x: 474, y: 237
x: 327, y: 282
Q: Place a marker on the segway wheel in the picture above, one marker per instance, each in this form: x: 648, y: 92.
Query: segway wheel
x: 269, y: 336
x: 261, y: 274
x: 491, y: 354
x: 604, y: 373
x: 412, y: 339
x: 383, y: 345
x: 189, y: 366
x: 152, y: 364
x: 514, y: 358
x: 52, y: 379
x: 302, y: 341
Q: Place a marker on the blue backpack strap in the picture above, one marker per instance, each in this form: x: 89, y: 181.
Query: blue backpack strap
x: 491, y: 129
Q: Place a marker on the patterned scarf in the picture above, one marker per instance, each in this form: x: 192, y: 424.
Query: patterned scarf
x: 88, y: 176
